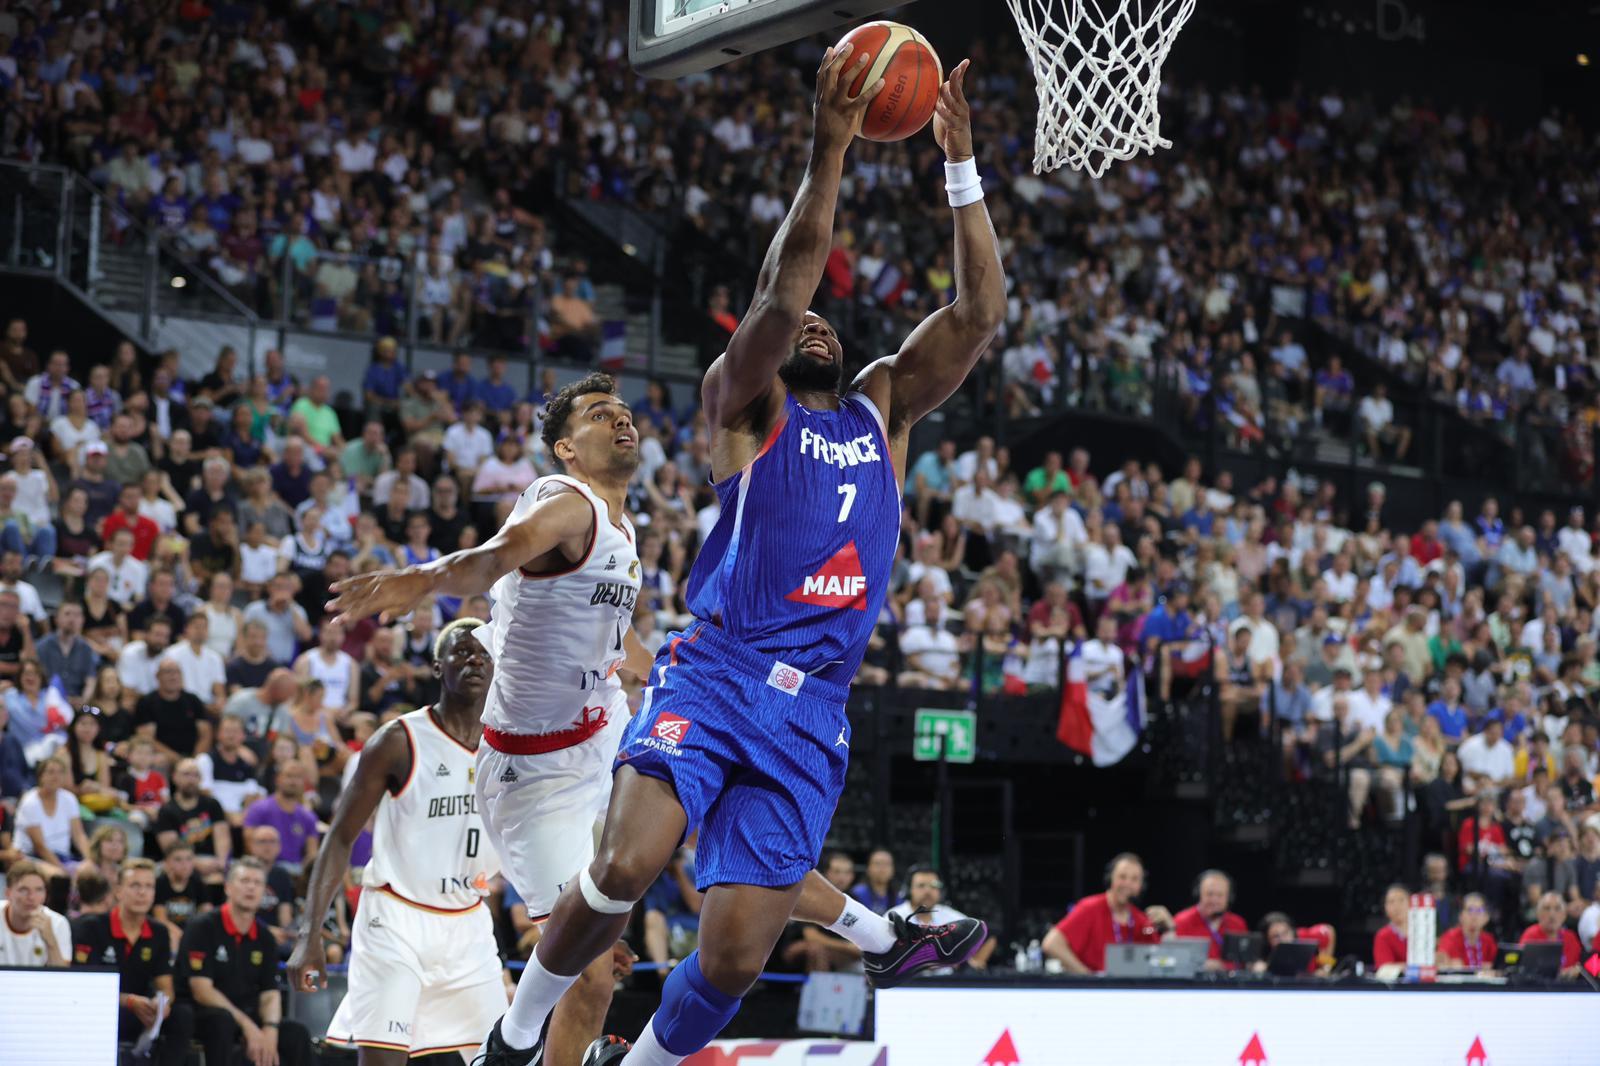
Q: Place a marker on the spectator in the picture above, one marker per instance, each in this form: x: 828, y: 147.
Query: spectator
x: 19, y: 531
x: 204, y: 673
x: 195, y: 820
x: 338, y: 673
x: 1079, y: 940
x: 1210, y: 917
x: 1487, y: 758
x: 228, y: 770
x: 235, y: 993
x: 1375, y: 419
x: 31, y: 934
x: 180, y: 892
x: 142, y: 953
x: 1469, y: 946
x: 286, y: 812
x: 277, y: 903
x: 672, y: 911
x: 175, y: 720
x: 932, y: 653
x: 821, y: 950
x: 1389, y: 945
x: 313, y: 417
x: 1551, y: 928
x: 136, y: 663
x: 285, y: 620
x: 876, y: 890
x: 129, y: 575
x: 66, y: 655
x: 48, y: 827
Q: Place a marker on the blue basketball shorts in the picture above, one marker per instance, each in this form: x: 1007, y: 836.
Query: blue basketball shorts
x: 755, y: 749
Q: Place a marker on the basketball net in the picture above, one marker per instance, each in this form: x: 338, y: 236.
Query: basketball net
x: 1097, y: 68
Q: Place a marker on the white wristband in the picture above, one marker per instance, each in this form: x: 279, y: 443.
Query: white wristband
x: 962, y: 184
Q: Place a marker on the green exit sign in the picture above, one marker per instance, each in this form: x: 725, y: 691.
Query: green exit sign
x: 958, y: 728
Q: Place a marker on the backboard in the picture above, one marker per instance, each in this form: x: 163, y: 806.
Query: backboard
x: 671, y: 38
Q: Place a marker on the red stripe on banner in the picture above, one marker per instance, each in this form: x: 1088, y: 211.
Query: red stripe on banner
x: 1075, y: 728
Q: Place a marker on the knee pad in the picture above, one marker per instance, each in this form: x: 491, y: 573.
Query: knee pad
x: 692, y: 1010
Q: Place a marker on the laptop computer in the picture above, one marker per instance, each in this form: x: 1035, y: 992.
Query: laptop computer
x: 1179, y: 957
x: 1541, y: 959
x: 1291, y: 958
x: 1242, y: 949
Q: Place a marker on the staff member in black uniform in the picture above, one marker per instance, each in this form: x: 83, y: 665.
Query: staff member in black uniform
x: 142, y: 953
x: 227, y: 966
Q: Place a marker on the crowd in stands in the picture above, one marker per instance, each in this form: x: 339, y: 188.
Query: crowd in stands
x: 1446, y: 243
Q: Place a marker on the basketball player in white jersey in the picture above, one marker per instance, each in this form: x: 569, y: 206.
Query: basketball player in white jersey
x: 424, y: 966
x: 565, y: 576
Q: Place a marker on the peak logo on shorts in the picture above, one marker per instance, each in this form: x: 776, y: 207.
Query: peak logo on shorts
x: 839, y: 583
x: 667, y: 733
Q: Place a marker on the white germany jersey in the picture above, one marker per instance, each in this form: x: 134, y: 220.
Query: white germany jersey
x: 556, y: 638
x: 428, y: 846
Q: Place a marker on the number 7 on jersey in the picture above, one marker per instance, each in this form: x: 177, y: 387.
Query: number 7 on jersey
x: 849, y: 494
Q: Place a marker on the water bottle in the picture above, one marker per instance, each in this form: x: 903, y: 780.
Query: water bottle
x: 1035, y: 957
x: 1022, y: 959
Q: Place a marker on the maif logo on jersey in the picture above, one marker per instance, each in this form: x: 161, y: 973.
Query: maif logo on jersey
x: 839, y: 583
x: 667, y: 733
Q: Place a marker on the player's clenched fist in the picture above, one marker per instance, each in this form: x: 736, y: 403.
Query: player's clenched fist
x: 839, y: 113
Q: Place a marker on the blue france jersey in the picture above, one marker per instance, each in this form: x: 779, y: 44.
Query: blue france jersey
x: 798, y: 563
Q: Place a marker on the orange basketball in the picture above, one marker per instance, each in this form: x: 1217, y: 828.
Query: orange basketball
x: 910, y: 68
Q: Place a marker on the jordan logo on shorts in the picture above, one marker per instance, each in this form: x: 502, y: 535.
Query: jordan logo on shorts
x: 667, y: 734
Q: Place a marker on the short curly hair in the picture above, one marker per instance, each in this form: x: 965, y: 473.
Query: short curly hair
x: 559, y: 411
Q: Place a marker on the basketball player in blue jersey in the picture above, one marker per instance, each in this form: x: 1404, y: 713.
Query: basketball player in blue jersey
x: 743, y: 731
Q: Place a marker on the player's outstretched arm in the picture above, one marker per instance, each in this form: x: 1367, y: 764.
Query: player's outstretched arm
x: 562, y: 520
x: 939, y: 354
x: 385, y: 762
x: 793, y: 267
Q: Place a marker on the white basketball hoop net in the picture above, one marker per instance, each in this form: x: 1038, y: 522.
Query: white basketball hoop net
x: 1097, y: 65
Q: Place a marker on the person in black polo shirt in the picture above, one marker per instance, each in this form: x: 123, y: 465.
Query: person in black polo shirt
x: 227, y: 967
x: 142, y: 953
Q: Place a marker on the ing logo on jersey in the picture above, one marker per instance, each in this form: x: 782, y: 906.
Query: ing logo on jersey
x: 838, y: 584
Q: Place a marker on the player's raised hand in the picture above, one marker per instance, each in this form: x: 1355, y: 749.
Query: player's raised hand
x: 308, y: 967
x: 839, y: 113
x: 952, y: 118
x: 386, y: 593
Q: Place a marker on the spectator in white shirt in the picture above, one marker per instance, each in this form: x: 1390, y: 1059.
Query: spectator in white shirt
x: 1375, y: 416
x: 205, y: 674
x: 977, y: 506
x: 136, y: 664
x: 1340, y: 580
x: 1487, y: 758
x: 1263, y: 634
x: 129, y: 576
x: 932, y: 653
x: 467, y: 443
x: 1102, y: 659
x: 1368, y: 704
x: 1573, y: 540
x: 924, y: 905
x: 1106, y: 565
x: 1058, y: 539
x: 967, y: 463
x: 31, y: 934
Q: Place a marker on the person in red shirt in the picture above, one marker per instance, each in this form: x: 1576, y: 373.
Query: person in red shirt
x: 1079, y: 940
x: 1210, y: 917
x: 1425, y: 545
x: 1468, y: 946
x: 1389, y: 946
x: 1551, y: 927
x: 127, y: 516
x: 1490, y: 839
x: 1278, y: 928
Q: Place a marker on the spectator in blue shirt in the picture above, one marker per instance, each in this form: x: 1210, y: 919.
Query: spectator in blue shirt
x: 1198, y: 517
x: 1457, y: 536
x: 876, y: 891
x: 1170, y: 620
x: 930, y: 478
x: 496, y: 393
x: 1450, y: 712
x: 656, y: 405
x: 384, y: 379
x: 1490, y: 525
x: 459, y: 384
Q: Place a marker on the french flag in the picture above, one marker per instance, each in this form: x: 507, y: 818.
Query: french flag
x: 57, y: 710
x: 1103, y: 728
